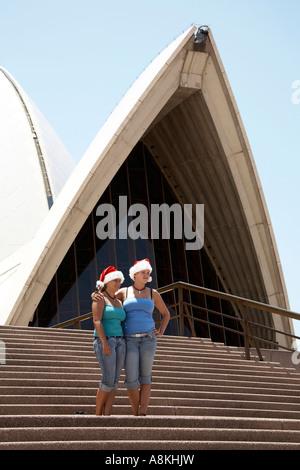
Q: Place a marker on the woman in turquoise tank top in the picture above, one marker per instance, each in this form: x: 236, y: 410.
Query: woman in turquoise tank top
x: 109, y: 343
x: 140, y: 334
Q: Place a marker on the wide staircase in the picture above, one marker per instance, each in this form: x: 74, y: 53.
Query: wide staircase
x: 204, y: 396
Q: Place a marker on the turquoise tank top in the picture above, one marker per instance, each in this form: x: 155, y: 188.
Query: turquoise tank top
x: 111, y: 321
x: 139, y: 317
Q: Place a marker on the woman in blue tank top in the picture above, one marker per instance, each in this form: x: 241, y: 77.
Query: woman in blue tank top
x: 141, y: 334
x: 109, y: 343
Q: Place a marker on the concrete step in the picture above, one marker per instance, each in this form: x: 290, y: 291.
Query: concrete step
x: 142, y: 433
x: 163, y: 421
x: 88, y: 350
x: 84, y: 340
x: 218, y: 373
x: 81, y: 336
x: 112, y: 433
x: 56, y: 352
x: 140, y: 445
x: 43, y: 402
x: 192, y: 363
x: 170, y: 410
x: 24, y: 432
x: 55, y: 396
x: 73, y: 340
x: 88, y: 387
x: 22, y: 385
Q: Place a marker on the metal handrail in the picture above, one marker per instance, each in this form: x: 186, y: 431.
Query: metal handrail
x: 242, y: 303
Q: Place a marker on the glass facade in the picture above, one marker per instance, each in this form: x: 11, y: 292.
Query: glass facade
x: 68, y: 294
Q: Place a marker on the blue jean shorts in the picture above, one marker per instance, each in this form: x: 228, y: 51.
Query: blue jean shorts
x: 140, y: 353
x: 111, y: 366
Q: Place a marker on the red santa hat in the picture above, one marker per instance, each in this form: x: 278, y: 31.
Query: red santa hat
x: 109, y: 274
x: 138, y: 266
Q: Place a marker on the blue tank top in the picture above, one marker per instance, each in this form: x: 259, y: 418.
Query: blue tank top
x: 111, y: 321
x: 139, y: 317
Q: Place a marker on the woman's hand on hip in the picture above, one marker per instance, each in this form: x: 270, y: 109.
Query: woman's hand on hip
x: 157, y: 333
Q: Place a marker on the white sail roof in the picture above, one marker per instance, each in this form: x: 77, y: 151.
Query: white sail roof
x: 34, y: 166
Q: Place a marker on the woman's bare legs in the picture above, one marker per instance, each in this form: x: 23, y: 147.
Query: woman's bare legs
x: 101, y: 401
x: 104, y: 402
x: 144, y: 398
x: 134, y: 398
x: 109, y: 403
x: 139, y: 399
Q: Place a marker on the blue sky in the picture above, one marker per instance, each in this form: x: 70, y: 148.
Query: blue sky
x: 77, y: 58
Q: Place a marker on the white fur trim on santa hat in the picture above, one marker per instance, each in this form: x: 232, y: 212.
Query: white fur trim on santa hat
x: 110, y: 277
x: 142, y: 265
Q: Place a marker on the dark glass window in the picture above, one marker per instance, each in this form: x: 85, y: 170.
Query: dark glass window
x: 47, y: 311
x: 67, y: 287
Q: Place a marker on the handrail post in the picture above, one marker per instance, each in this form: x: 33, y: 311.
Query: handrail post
x: 256, y: 345
x: 180, y: 306
x: 246, y: 332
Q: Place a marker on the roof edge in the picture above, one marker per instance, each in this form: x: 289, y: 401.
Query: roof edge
x: 97, y: 167
x: 253, y: 165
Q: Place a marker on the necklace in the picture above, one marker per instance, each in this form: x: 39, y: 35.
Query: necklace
x: 139, y: 289
x: 112, y: 298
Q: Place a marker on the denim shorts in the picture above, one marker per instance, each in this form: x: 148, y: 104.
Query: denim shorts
x: 111, y: 366
x: 139, y: 360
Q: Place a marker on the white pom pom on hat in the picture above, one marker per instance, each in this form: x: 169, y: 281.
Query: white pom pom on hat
x: 138, y: 266
x: 109, y: 274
